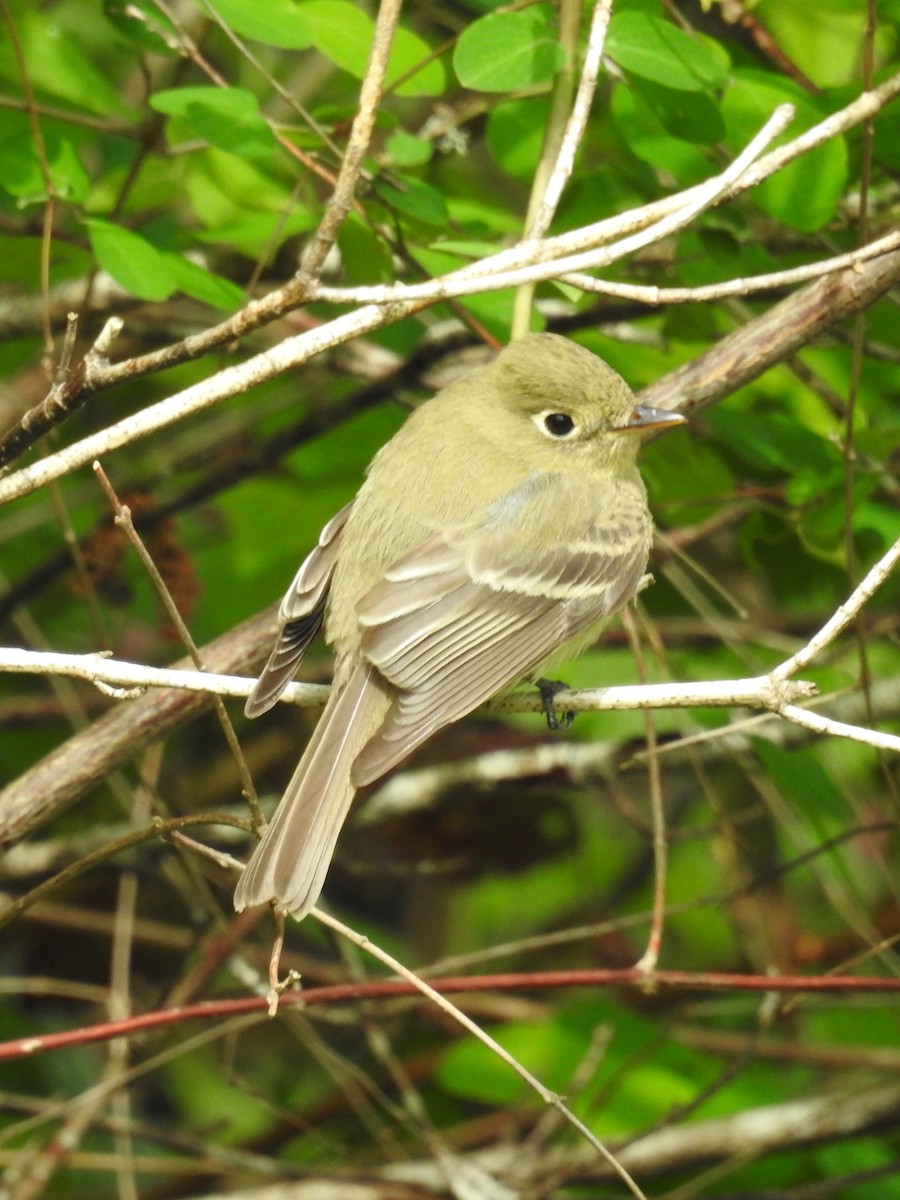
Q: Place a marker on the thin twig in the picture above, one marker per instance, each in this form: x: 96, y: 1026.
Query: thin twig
x: 395, y: 303
x: 282, y: 300
x: 577, y: 123
x: 842, y: 616
x: 456, y: 1014
x: 537, y: 220
x: 155, y: 830
x: 358, y: 144
x: 755, y: 692
x: 649, y: 959
x: 256, y: 1007
x: 123, y: 519
x: 461, y: 282
x: 655, y: 296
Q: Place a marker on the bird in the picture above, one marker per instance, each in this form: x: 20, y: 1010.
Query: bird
x: 494, y: 535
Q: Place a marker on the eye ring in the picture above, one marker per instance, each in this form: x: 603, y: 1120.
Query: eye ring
x: 558, y: 424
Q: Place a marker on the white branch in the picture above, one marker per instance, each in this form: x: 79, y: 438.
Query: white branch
x: 861, y: 109
x: 754, y: 692
x: 460, y: 283
x: 843, y: 615
x: 829, y: 727
x: 110, y: 673
x: 776, y: 692
x: 609, y: 228
x: 228, y: 382
x: 577, y: 122
x: 733, y: 287
x: 447, y: 1007
x: 299, y: 349
x: 487, y: 275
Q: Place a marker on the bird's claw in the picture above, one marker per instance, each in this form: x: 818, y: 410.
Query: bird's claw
x: 548, y: 689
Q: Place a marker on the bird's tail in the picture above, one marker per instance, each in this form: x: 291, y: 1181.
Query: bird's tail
x: 290, y: 863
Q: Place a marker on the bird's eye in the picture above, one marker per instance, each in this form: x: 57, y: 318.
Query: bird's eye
x: 558, y: 424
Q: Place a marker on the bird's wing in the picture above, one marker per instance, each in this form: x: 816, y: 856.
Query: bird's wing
x: 301, y: 615
x: 464, y: 616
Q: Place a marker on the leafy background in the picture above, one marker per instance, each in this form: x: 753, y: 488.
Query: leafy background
x: 167, y: 164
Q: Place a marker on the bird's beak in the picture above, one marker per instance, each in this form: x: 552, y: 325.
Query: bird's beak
x: 643, y: 417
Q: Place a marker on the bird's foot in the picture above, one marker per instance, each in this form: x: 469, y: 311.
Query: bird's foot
x: 548, y: 689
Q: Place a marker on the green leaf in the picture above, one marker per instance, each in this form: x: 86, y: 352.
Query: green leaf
x: 258, y: 233
x: 685, y: 473
x: 415, y: 199
x: 204, y: 285
x: 225, y: 117
x: 407, y: 53
x: 880, y: 518
x: 805, y: 194
x: 830, y: 51
x: 488, y: 215
x: 822, y: 524
x: 239, y: 204
x: 273, y: 22
x: 22, y: 174
x: 772, y: 441
x: 408, y: 151
x: 803, y: 779
x: 20, y: 259
x: 515, y: 134
x: 551, y: 1051
x: 505, y: 51
x: 657, y: 50
x: 690, y: 116
x: 344, y: 33
x: 887, y: 138
x: 467, y: 249
x: 132, y: 261
x: 365, y: 256
x: 141, y: 22
x: 58, y: 63
x: 200, y: 1085
x: 643, y: 134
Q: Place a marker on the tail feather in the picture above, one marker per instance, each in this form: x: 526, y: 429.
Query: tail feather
x: 290, y: 863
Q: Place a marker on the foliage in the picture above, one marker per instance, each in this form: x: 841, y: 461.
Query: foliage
x: 170, y: 165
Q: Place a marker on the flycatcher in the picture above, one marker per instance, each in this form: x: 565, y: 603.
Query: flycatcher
x: 494, y: 535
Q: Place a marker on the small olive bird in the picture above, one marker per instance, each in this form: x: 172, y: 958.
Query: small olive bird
x: 494, y: 535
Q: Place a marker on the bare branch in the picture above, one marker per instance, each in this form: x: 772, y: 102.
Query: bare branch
x: 358, y: 144
x: 88, y: 757
x: 97, y: 669
x: 750, y: 351
x: 655, y: 296
x: 577, y: 122
x: 844, y: 614
x: 456, y: 1014
x: 81, y: 762
x: 295, y: 351
x: 537, y: 266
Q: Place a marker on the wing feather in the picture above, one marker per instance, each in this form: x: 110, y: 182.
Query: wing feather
x: 453, y: 687
x: 300, y: 613
x: 465, y: 616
